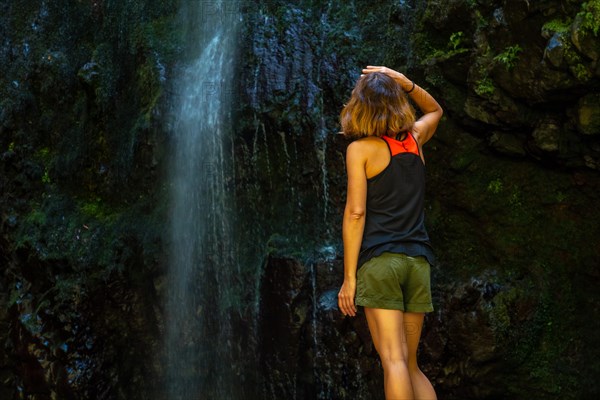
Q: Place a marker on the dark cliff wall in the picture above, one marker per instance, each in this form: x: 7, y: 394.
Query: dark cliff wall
x: 512, y: 193
x: 512, y: 178
x: 82, y: 133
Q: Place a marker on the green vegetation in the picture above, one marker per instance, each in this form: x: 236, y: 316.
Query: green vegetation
x: 581, y: 72
x: 455, y: 40
x: 509, y: 56
x: 46, y: 177
x: 495, y: 186
x: 36, y: 217
x: 590, y: 14
x: 561, y: 196
x: 93, y: 209
x: 485, y: 87
x: 576, y: 63
x: 454, y: 47
x: 44, y: 157
x: 540, y: 301
x: 88, y: 233
x: 481, y: 21
x: 573, y: 59
x: 515, y: 199
x: 558, y: 26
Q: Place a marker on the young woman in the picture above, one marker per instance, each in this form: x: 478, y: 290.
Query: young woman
x: 387, y: 254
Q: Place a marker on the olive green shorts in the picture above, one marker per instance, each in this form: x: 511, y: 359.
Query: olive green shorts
x: 395, y: 281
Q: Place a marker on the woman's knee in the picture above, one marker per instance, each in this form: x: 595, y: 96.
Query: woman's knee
x: 393, y: 357
x: 395, y: 366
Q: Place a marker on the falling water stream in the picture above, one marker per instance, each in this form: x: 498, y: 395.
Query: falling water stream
x: 202, y: 262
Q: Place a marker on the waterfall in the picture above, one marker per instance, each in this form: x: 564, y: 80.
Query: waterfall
x: 202, y: 265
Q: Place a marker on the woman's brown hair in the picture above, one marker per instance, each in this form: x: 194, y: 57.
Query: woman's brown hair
x: 378, y: 106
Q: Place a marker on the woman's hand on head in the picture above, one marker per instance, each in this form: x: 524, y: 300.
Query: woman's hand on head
x: 384, y: 70
x: 395, y: 75
x: 346, y: 298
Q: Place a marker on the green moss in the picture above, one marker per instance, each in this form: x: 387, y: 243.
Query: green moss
x: 558, y: 26
x: 551, y: 337
x: 98, y: 210
x: 150, y: 87
x: 514, y: 315
x: 44, y: 157
x: 495, y: 186
x: 162, y: 35
x: 581, y: 72
x: 46, y: 177
x: 92, y: 233
x: 561, y: 196
x: 515, y: 199
x: 92, y: 209
x: 43, y: 154
x: 576, y: 63
x: 485, y: 86
x: 571, y: 56
x: 590, y: 14
x: 481, y: 21
x: 36, y: 217
x: 530, y: 227
x: 509, y: 56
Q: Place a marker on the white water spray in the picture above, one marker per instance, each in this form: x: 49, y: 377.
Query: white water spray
x: 202, y: 262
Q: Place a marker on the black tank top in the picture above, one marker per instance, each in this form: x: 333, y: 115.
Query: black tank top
x: 395, y: 219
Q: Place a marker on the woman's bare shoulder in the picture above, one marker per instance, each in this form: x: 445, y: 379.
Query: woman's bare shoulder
x: 366, y: 144
x: 365, y: 148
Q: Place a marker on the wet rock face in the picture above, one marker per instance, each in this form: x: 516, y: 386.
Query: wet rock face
x: 588, y: 114
x: 310, y: 350
x: 78, y: 305
x: 584, y: 31
x: 284, y: 345
x: 509, y: 172
x: 546, y: 136
x: 527, y: 62
x: 62, y: 328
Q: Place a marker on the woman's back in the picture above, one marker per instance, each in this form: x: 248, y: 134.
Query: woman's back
x: 395, y: 198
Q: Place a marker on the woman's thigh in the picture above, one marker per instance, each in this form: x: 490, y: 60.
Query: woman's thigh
x: 387, y: 331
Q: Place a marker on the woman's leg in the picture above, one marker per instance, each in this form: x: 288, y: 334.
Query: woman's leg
x: 423, y: 390
x: 387, y: 331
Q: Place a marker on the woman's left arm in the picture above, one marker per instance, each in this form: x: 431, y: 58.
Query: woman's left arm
x: 353, y: 223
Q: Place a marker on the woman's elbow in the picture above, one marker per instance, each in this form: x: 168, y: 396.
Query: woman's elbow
x: 356, y: 214
x: 439, y: 111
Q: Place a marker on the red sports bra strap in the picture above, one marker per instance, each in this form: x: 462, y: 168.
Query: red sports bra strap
x: 407, y: 145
